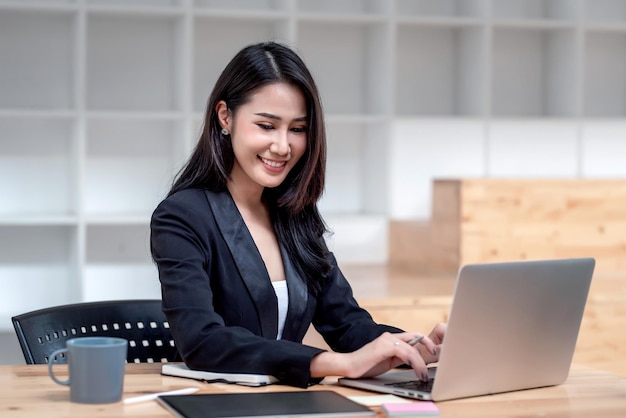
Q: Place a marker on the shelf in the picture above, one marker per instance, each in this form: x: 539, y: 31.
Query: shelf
x: 148, y: 116
x: 352, y: 75
x: 605, y: 11
x: 344, y: 188
x: 532, y: 24
x: 416, y: 161
x: 358, y: 239
x: 129, y: 165
x: 604, y: 148
x: 39, y: 6
x: 355, y: 176
x: 37, y: 220
x: 120, y: 281
x: 36, y: 268
x: 119, y: 50
x: 132, y: 8
x: 123, y: 244
x: 207, y: 52
x: 37, y: 50
x: 441, y: 8
x: 103, y: 100
x: 337, y: 19
x: 604, y: 80
x: 37, y: 177
x: 533, y: 149
x: 333, y: 8
x: 241, y: 6
x: 241, y: 16
x: 428, y: 79
x: 536, y: 9
x: 136, y: 3
x: 534, y: 73
x: 118, y: 263
x: 441, y: 22
x: 67, y: 115
x: 356, y: 118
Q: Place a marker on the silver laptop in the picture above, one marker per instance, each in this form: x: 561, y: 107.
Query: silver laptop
x: 512, y: 326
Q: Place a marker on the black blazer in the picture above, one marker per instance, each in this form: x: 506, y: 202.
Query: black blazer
x: 220, y: 303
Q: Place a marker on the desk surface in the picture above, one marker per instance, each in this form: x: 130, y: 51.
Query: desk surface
x: 27, y: 391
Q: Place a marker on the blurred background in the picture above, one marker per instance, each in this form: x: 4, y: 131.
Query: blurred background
x: 101, y: 102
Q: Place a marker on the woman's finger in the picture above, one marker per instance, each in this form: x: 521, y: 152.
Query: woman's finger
x: 405, y: 351
x: 423, y: 340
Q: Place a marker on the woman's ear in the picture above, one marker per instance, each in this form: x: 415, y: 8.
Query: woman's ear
x: 223, y: 115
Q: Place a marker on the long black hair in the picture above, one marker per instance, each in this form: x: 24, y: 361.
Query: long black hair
x: 293, y: 204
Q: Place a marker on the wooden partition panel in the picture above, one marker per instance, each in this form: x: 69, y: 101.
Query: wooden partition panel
x: 492, y: 220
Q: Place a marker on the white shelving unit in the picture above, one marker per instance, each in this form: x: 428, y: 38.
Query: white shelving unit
x: 102, y: 101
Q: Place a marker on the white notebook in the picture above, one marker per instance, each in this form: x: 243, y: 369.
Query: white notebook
x: 181, y: 370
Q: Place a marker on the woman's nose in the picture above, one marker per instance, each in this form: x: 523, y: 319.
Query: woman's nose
x: 280, y: 145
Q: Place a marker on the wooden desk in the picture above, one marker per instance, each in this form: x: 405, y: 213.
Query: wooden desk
x: 27, y: 391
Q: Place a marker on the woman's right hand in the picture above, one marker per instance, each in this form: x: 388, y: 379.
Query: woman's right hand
x: 436, y: 336
x: 380, y: 355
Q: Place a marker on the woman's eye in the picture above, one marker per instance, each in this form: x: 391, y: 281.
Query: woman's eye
x: 264, y: 126
x: 299, y: 129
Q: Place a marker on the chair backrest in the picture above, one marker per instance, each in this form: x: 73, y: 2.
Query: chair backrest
x: 141, y: 322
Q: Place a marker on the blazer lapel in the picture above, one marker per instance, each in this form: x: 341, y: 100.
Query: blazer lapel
x: 248, y: 260
x: 296, y: 324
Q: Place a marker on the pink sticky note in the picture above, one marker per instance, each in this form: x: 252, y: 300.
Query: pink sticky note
x: 408, y: 409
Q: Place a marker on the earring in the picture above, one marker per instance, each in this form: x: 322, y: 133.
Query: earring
x: 225, y: 132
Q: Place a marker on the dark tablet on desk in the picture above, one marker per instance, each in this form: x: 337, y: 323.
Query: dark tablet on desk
x: 308, y: 403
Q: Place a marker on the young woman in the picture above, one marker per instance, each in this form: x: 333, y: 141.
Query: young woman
x: 239, y: 242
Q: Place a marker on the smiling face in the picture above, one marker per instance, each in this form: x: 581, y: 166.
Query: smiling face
x: 268, y: 134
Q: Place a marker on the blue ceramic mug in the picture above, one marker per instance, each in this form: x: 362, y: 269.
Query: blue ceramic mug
x: 96, y: 368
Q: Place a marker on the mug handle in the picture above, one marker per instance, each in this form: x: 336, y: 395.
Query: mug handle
x: 51, y: 362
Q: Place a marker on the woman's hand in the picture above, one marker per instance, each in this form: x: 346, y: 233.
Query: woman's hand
x: 382, y: 354
x: 436, y: 336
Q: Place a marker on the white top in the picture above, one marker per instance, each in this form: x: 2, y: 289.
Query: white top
x: 280, y: 288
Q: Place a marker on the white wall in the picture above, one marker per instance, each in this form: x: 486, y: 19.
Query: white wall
x: 423, y: 150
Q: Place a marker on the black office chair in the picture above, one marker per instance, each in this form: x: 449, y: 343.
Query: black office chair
x: 141, y: 322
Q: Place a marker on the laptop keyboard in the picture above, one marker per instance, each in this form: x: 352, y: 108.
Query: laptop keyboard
x: 420, y: 385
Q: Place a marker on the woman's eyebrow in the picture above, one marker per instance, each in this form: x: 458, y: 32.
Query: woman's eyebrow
x: 271, y: 116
